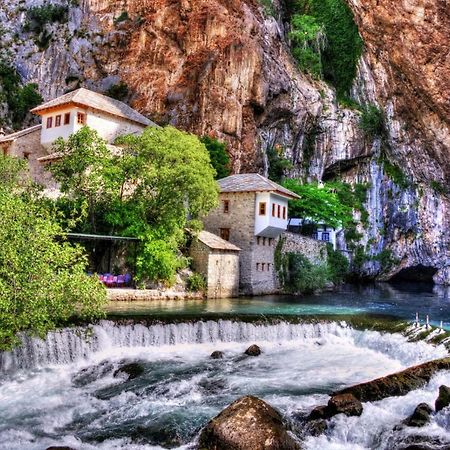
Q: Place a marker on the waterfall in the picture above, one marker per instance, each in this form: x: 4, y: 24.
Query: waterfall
x: 72, y: 344
x: 69, y: 345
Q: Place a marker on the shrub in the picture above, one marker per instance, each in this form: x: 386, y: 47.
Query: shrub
x: 307, y: 38
x: 340, y: 55
x: 20, y: 99
x: 372, y: 121
x: 438, y: 187
x: 118, y: 91
x: 122, y: 18
x: 196, y: 283
x: 304, y: 276
x: 338, y: 265
x: 268, y: 7
x: 395, y: 173
x: 219, y: 156
x: 39, y: 16
x: 278, y: 164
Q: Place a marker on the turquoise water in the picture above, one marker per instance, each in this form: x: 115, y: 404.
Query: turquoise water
x: 402, y: 301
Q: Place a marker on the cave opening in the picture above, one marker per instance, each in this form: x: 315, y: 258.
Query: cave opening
x: 419, y: 273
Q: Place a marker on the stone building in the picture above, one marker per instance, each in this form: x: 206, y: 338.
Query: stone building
x: 252, y: 213
x: 218, y: 261
x: 64, y: 116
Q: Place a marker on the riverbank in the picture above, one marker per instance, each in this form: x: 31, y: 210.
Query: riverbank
x: 140, y: 295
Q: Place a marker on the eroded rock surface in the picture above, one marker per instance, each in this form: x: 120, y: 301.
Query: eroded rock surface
x: 247, y: 424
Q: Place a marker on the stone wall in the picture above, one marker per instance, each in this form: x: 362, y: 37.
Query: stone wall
x: 314, y: 250
x: 29, y: 147
x: 219, y: 267
x: 240, y: 220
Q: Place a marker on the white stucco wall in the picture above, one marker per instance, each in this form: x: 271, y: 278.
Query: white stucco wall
x: 269, y: 225
x: 49, y: 135
x: 106, y: 125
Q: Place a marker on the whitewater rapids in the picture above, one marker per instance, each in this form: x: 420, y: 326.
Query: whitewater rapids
x: 62, y: 391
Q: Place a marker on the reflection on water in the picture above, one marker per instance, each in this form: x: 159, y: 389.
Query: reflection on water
x: 400, y: 300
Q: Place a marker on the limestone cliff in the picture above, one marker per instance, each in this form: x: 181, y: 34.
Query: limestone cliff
x: 224, y: 67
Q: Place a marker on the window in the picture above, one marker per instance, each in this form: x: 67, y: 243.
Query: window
x: 264, y: 241
x: 257, y: 266
x: 66, y: 118
x: 263, y: 266
x: 279, y: 211
x: 81, y: 118
x: 273, y: 209
x: 49, y: 122
x: 226, y: 206
x: 326, y: 237
x: 262, y: 208
x: 26, y: 155
x: 284, y: 212
x: 225, y: 234
x: 258, y: 239
x: 58, y: 120
x: 270, y: 241
x: 268, y: 267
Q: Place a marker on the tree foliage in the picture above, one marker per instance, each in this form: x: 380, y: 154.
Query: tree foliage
x: 20, y: 99
x: 218, y: 154
x: 42, y: 277
x: 343, y: 45
x: 157, y: 184
x: 278, y: 164
x: 319, y: 204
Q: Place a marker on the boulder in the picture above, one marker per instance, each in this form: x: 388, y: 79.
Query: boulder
x: 346, y: 404
x: 397, y: 384
x: 420, y: 416
x: 132, y: 370
x: 247, y: 424
x: 443, y: 399
x: 217, y: 355
x: 253, y: 350
x: 319, y: 412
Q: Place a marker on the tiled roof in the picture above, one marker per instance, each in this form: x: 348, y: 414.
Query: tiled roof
x: 17, y: 134
x: 253, y: 182
x: 215, y: 242
x: 85, y: 97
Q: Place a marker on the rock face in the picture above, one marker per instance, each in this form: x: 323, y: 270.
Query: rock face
x: 223, y: 67
x: 420, y: 416
x: 443, y: 399
x: 247, y: 424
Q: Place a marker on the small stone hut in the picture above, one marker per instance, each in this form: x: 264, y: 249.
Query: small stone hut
x: 218, y: 261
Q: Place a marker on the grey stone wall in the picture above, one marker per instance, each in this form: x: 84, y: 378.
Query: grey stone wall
x: 219, y: 267
x: 30, y: 144
x: 240, y: 220
x: 314, y: 250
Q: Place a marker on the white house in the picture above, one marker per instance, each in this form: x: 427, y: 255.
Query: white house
x: 65, y: 115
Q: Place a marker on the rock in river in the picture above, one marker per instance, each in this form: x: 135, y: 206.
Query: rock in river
x: 217, y: 354
x: 420, y: 416
x: 253, y: 350
x: 443, y: 399
x: 132, y: 370
x: 346, y: 404
x: 247, y: 424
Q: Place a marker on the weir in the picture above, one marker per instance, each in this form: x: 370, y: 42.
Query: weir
x: 69, y: 345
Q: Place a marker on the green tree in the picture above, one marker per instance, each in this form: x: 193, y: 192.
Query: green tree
x: 42, y: 277
x: 318, y: 204
x: 158, y: 184
x: 218, y: 154
x: 278, y: 164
